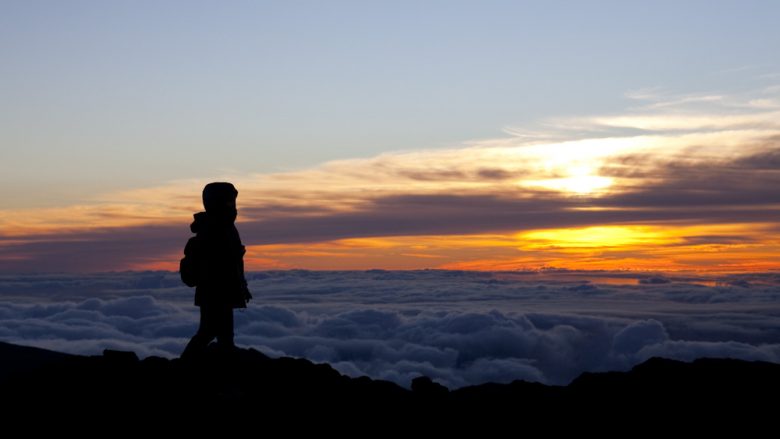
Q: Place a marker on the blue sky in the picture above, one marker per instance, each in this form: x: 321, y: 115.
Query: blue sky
x: 99, y: 96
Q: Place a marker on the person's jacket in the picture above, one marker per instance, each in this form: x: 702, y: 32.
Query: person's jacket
x: 221, y: 280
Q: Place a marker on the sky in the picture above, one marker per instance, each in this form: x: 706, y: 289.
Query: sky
x: 457, y: 327
x: 491, y: 135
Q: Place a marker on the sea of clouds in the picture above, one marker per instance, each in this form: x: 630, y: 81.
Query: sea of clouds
x: 460, y: 328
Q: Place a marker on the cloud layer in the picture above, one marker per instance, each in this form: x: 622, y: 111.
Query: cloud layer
x: 460, y: 328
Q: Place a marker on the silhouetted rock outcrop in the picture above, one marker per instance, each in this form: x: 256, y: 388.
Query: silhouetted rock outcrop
x: 244, y: 384
x: 15, y: 359
x: 426, y: 388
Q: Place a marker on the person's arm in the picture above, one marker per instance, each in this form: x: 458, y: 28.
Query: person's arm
x: 244, y: 285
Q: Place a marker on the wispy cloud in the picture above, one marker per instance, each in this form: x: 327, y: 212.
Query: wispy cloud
x: 651, y: 166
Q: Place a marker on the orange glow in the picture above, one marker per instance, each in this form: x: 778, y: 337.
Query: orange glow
x: 591, y: 248
x: 640, y: 248
x: 566, y: 178
x: 169, y: 265
x: 31, y: 222
x: 598, y: 236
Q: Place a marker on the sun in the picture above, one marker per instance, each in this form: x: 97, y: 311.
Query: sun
x: 578, y: 180
x: 575, y: 167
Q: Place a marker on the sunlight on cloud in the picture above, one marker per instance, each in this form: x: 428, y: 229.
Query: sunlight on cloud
x: 692, y: 122
x: 601, y: 236
x: 716, y: 248
x: 576, y: 180
x: 579, y: 181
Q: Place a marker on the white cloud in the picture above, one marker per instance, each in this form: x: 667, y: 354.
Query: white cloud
x: 638, y: 335
x: 460, y: 328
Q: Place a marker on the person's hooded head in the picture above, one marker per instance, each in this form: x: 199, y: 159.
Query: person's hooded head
x: 219, y: 199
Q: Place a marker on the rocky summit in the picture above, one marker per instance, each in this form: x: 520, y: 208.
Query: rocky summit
x: 244, y: 386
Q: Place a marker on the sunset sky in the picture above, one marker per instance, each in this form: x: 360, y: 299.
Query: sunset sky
x: 489, y: 135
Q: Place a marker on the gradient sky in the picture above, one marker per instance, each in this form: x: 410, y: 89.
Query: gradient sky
x: 426, y: 134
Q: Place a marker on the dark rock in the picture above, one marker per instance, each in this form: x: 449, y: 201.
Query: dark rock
x: 120, y: 357
x: 426, y: 387
x: 241, y: 385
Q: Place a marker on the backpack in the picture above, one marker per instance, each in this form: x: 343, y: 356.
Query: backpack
x: 189, y: 265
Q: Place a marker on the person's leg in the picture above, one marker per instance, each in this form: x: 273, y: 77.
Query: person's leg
x: 206, y: 332
x: 224, y: 328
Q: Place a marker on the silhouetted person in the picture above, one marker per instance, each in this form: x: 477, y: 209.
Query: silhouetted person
x: 214, y: 263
